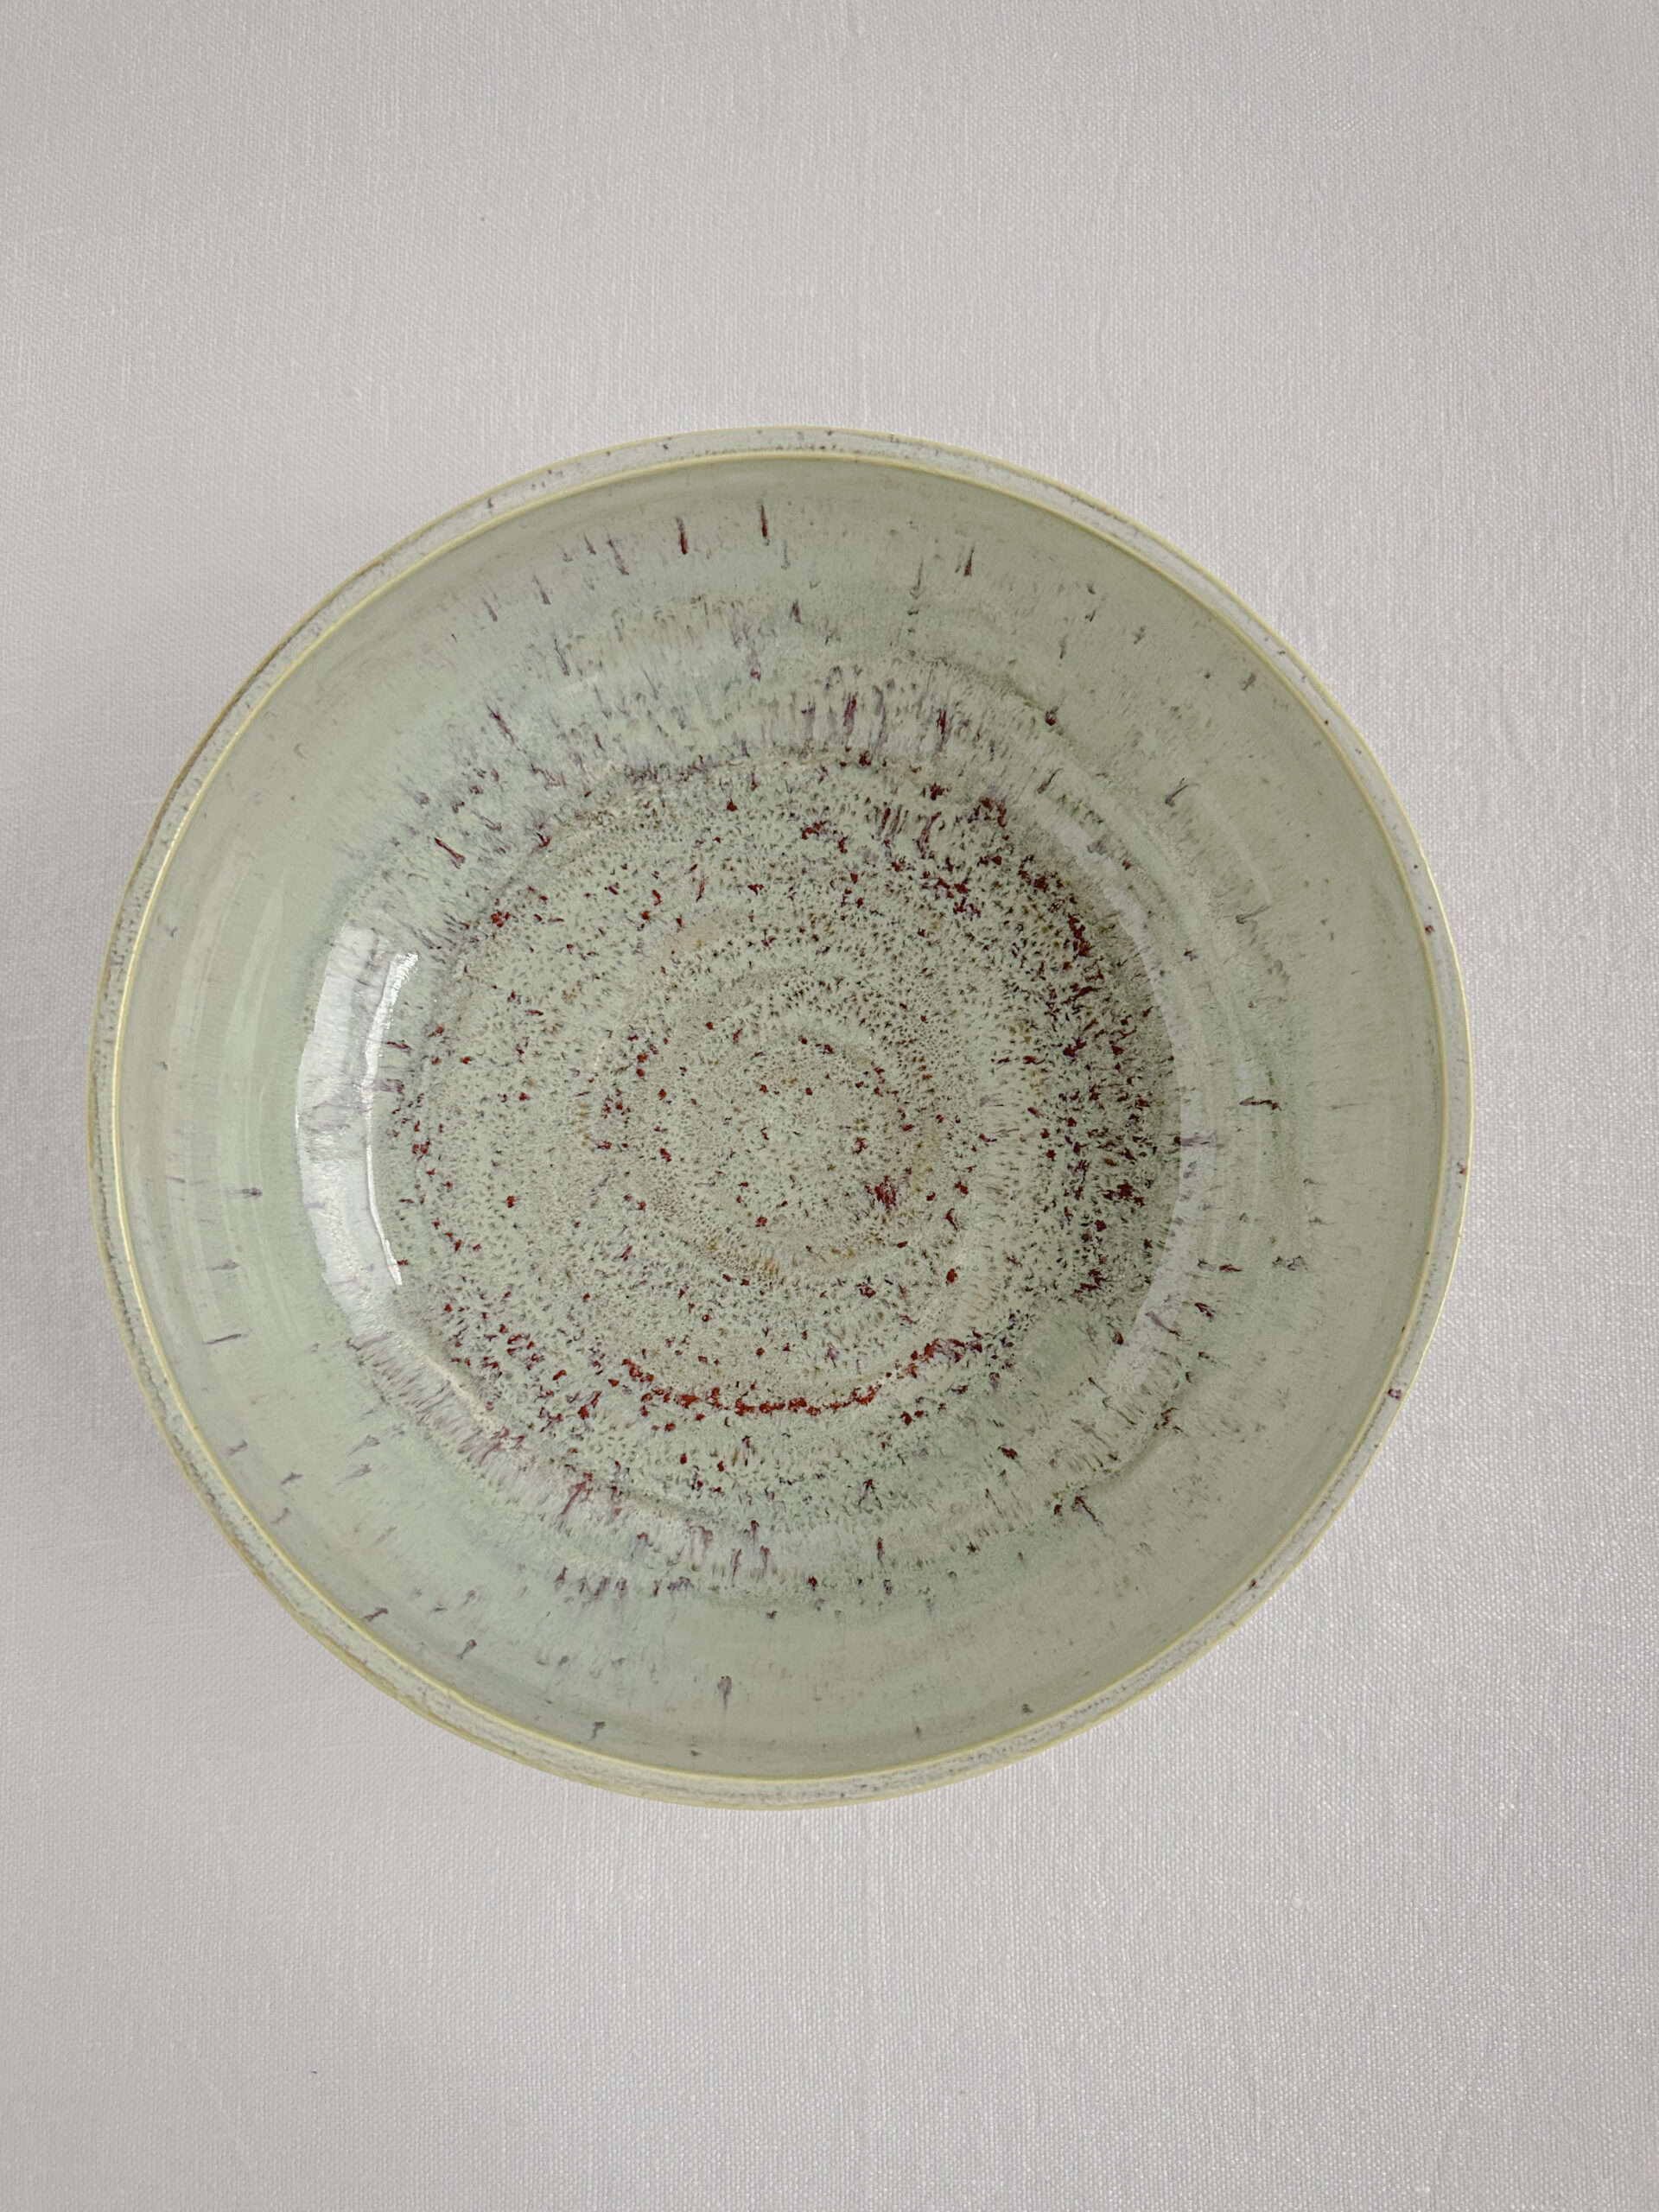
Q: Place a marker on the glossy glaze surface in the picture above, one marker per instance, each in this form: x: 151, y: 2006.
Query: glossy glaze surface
x: 777, y: 1115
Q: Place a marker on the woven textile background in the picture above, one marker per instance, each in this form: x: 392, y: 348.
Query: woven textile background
x: 1359, y: 303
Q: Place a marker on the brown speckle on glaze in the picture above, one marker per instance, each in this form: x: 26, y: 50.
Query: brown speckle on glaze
x: 816, y: 1102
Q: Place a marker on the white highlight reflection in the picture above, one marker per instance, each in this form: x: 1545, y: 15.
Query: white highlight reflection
x: 333, y: 1118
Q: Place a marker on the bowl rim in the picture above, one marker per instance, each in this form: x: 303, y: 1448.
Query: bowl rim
x: 303, y: 1597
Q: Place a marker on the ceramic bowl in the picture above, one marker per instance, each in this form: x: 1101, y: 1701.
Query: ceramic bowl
x: 777, y: 1115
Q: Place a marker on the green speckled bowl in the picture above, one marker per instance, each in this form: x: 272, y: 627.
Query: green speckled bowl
x: 777, y: 1115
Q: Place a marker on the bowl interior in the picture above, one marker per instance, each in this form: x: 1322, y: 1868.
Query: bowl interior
x: 775, y: 1114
